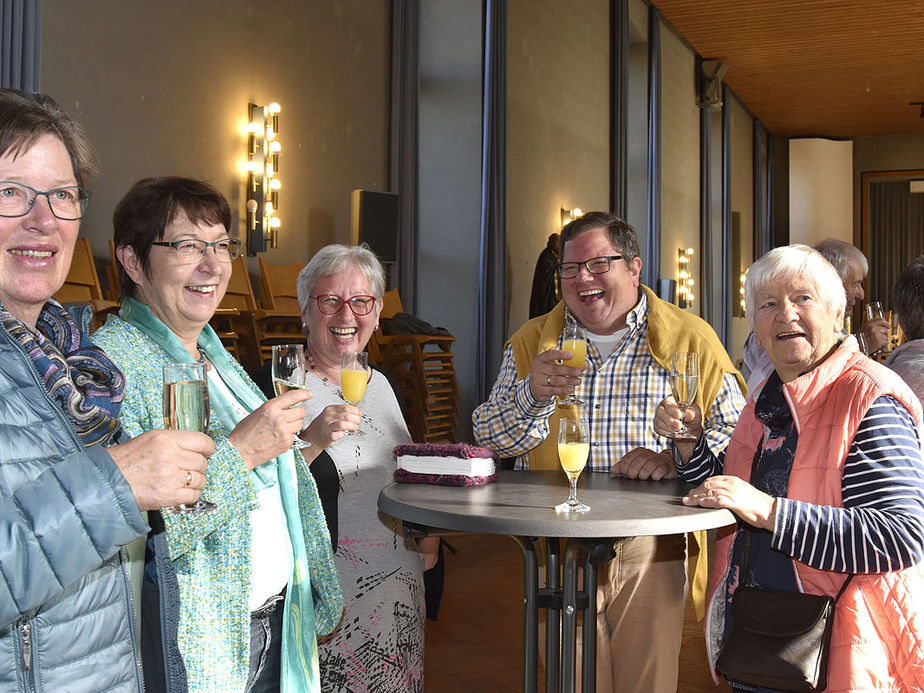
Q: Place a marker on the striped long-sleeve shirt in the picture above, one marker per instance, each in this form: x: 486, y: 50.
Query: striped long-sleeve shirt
x: 881, y: 526
x: 621, y: 391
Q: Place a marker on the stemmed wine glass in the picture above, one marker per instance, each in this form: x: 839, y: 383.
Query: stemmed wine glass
x: 186, y: 408
x: 573, y: 447
x: 684, y: 381
x: 574, y: 339
x: 874, y: 312
x: 289, y: 374
x: 353, y: 379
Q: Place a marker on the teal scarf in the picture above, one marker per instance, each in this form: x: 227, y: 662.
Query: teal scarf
x: 300, y: 669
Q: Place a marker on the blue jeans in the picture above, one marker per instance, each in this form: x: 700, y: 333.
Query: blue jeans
x: 266, y: 646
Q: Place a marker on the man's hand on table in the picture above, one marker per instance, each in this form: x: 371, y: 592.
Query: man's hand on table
x: 642, y: 463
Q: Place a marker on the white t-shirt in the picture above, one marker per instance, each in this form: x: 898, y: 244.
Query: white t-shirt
x: 271, y: 558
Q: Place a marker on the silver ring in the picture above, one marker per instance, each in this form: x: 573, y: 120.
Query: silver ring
x: 548, y: 381
x: 188, y: 478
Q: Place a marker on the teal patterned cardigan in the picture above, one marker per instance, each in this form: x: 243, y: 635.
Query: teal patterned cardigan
x: 211, y: 552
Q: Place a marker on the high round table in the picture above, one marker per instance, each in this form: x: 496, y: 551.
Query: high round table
x: 521, y: 504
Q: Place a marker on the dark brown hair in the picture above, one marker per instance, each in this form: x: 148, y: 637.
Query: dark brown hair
x: 24, y: 118
x: 622, y: 236
x: 151, y: 204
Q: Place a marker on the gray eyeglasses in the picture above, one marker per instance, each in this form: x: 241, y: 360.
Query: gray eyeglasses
x: 190, y: 250
x: 68, y: 202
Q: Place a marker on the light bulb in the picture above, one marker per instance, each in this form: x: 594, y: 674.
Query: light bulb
x: 273, y: 108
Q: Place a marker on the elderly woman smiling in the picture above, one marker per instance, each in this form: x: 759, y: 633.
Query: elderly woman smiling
x: 255, y: 576
x: 824, y: 472
x: 379, y: 645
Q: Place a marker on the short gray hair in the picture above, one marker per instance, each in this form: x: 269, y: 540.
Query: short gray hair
x: 842, y: 255
x: 791, y: 262
x: 335, y: 258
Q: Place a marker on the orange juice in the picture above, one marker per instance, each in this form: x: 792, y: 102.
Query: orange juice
x: 573, y: 457
x: 578, y: 349
x: 353, y: 383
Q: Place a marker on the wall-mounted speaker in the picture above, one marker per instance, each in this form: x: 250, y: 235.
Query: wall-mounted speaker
x: 374, y: 221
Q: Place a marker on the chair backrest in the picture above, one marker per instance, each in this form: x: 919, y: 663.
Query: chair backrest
x: 82, y: 283
x: 391, y: 304
x: 279, y: 292
x: 240, y: 292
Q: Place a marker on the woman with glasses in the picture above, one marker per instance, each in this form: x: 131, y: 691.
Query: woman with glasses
x: 379, y: 644
x: 254, y: 578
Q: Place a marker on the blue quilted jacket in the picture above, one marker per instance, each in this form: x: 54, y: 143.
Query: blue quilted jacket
x: 65, y: 603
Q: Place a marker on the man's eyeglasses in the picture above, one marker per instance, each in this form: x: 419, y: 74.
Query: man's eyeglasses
x: 67, y: 203
x: 190, y: 250
x: 595, y: 265
x: 331, y: 304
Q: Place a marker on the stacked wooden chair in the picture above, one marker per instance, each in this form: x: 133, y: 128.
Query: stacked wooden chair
x: 82, y: 285
x: 422, y: 367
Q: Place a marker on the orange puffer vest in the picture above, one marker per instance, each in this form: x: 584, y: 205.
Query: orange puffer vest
x: 878, y: 635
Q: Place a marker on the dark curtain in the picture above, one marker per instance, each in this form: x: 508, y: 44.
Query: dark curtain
x: 405, y: 71
x: 763, y: 180
x: 492, y: 269
x: 896, y: 224
x: 20, y: 44
x: 651, y: 263
x: 619, y: 107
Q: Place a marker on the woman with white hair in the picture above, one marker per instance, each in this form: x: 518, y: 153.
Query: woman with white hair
x: 379, y: 643
x: 825, y: 475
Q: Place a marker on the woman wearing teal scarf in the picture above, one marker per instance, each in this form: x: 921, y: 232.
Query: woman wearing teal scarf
x: 255, y: 577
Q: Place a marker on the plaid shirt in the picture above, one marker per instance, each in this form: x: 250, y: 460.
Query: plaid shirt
x: 620, y: 394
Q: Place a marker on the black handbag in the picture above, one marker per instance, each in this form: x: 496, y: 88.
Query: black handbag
x: 777, y: 639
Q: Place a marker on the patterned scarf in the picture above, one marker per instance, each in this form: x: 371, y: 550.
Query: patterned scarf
x: 77, y: 375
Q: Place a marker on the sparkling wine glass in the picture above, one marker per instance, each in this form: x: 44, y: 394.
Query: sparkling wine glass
x: 874, y: 311
x: 573, y: 447
x: 353, y: 378
x: 574, y: 339
x: 186, y: 408
x: 684, y: 381
x: 289, y: 374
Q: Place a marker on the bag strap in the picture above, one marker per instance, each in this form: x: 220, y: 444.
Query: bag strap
x: 743, y: 526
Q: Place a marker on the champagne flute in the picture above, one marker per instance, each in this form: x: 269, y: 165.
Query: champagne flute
x: 573, y: 447
x: 353, y: 379
x: 186, y: 408
x: 684, y: 381
x: 289, y: 374
x: 874, y: 312
x: 574, y: 339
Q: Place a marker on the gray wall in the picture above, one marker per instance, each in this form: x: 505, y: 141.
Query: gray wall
x: 894, y: 153
x: 163, y: 87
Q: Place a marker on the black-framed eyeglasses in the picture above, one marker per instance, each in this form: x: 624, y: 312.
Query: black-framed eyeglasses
x: 595, y: 265
x: 190, y: 250
x: 331, y: 304
x: 68, y: 202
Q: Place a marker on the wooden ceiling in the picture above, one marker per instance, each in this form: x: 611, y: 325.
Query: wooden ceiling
x: 823, y: 68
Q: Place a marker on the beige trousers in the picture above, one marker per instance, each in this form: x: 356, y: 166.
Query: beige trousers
x: 640, y: 607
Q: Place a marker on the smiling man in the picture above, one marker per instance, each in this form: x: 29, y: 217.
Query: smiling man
x: 631, y: 336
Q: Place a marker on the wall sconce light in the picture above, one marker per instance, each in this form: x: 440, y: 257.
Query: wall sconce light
x: 262, y: 177
x: 685, y: 277
x: 569, y: 215
x: 740, y: 313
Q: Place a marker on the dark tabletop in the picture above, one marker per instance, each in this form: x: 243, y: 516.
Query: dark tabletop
x: 523, y: 503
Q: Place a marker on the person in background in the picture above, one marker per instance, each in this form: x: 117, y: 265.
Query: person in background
x: 631, y: 336
x: 546, y: 293
x: 908, y: 303
x: 255, y: 579
x: 852, y: 267
x: 68, y: 503
x: 825, y: 475
x: 379, y: 645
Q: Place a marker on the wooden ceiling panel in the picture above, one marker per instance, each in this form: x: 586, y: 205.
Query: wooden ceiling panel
x: 828, y: 68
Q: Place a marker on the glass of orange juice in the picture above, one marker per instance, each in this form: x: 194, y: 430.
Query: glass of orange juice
x: 573, y: 448
x: 574, y: 339
x: 354, y: 375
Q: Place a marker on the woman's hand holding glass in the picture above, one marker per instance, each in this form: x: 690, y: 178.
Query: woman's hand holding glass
x: 334, y: 422
x: 670, y: 417
x: 267, y: 432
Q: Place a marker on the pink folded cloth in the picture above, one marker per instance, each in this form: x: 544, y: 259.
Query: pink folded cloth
x: 445, y: 464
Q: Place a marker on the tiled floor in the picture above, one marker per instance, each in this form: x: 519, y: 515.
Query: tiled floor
x: 476, y: 644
